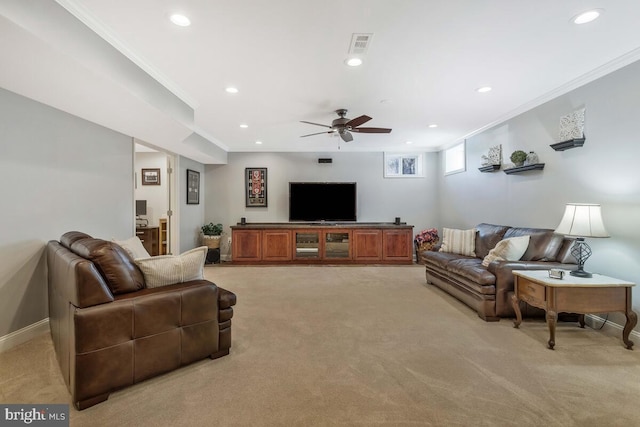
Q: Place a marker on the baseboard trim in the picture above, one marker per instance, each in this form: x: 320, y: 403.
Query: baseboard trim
x: 23, y: 335
x: 596, y: 322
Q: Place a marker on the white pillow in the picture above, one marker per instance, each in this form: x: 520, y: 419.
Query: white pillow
x: 461, y: 242
x: 510, y: 249
x: 133, y: 246
x: 167, y: 270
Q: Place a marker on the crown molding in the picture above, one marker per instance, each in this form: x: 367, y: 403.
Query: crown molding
x: 601, y: 71
x: 84, y: 16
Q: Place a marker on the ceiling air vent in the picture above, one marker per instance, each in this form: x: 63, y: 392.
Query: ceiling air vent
x: 360, y: 43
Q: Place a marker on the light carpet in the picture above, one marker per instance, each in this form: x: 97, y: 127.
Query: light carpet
x: 360, y: 346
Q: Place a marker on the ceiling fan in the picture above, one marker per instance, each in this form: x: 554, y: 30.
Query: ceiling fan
x: 344, y: 126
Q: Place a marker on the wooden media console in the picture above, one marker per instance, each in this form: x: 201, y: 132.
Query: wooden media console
x: 322, y: 243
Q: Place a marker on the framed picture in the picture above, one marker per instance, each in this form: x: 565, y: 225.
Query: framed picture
x: 255, y: 187
x: 193, y: 187
x: 151, y: 176
x: 403, y: 165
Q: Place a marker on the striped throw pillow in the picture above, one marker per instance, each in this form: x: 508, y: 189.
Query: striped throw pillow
x: 167, y: 270
x: 462, y: 242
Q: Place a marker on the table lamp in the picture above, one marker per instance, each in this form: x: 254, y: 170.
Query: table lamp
x: 581, y: 220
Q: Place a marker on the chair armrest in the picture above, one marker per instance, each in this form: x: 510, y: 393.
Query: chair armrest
x: 226, y: 298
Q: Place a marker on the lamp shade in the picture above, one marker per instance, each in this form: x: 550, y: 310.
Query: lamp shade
x: 582, y: 220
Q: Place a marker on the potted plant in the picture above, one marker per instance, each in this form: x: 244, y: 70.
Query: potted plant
x: 211, y: 235
x: 518, y: 157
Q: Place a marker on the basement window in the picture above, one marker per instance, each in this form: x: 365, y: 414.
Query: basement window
x: 454, y: 159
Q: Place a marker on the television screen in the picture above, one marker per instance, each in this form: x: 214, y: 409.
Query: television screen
x: 322, y: 201
x: 141, y: 207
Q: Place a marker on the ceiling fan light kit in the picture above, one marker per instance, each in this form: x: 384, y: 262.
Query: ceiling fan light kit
x: 344, y: 126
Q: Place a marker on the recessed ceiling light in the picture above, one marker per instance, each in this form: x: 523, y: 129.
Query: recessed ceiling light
x: 484, y: 89
x: 231, y: 89
x: 409, y: 142
x: 244, y: 125
x: 588, y: 16
x: 180, y: 20
x: 433, y: 125
x: 353, y: 62
x: 258, y: 142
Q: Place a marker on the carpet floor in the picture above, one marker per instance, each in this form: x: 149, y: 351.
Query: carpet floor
x: 361, y: 346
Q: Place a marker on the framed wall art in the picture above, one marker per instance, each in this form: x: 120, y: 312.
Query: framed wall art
x: 403, y: 165
x: 193, y: 187
x: 255, y: 187
x: 151, y: 176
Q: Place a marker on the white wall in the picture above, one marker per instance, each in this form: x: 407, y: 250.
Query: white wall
x: 604, y: 171
x: 155, y: 195
x: 379, y: 199
x: 57, y: 173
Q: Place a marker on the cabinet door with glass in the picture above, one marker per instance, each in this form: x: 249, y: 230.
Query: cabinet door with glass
x: 337, y: 244
x: 307, y: 244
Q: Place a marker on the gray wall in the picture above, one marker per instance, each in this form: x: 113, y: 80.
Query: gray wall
x: 191, y: 216
x: 604, y: 171
x: 57, y: 173
x: 379, y: 199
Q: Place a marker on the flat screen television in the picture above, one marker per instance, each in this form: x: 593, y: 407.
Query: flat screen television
x: 322, y: 201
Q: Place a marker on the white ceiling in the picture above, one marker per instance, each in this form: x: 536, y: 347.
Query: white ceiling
x: 286, y: 57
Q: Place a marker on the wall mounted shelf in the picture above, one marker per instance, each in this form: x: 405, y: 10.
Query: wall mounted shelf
x: 566, y: 145
x: 526, y: 168
x: 489, y: 168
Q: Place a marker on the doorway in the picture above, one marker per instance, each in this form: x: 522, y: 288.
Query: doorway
x: 155, y: 195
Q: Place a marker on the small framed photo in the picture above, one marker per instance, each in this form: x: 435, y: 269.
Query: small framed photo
x: 403, y: 165
x: 255, y: 187
x: 150, y: 176
x: 193, y: 187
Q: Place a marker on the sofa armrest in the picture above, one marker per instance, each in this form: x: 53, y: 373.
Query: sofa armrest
x: 503, y: 270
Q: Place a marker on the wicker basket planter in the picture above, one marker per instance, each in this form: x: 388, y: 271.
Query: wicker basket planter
x: 212, y: 242
x: 426, y: 246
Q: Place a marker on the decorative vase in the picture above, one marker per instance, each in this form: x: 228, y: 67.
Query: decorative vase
x: 532, y: 158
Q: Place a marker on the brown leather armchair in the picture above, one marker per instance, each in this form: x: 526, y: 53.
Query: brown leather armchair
x: 109, y: 331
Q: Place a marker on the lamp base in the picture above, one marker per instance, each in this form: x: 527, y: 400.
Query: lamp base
x: 580, y: 273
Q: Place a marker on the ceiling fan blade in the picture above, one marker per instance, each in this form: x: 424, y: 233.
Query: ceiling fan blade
x: 358, y: 121
x: 318, y: 133
x: 346, y: 136
x: 371, y: 130
x: 317, y: 124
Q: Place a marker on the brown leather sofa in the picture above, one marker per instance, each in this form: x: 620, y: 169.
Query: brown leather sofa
x: 109, y: 331
x: 488, y: 290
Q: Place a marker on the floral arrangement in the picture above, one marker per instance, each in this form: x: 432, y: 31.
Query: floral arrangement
x: 429, y: 235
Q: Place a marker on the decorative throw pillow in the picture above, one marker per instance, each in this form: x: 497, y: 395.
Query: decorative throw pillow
x: 134, y: 246
x: 462, y: 242
x: 510, y: 249
x: 167, y: 270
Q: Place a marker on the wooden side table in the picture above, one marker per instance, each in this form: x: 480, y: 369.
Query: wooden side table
x: 598, y: 294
